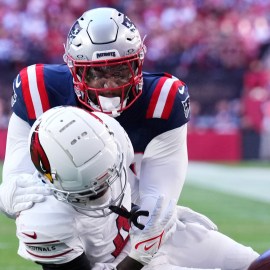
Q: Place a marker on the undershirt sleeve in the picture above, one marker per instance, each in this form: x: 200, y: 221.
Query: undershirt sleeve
x: 17, y: 157
x: 164, y: 167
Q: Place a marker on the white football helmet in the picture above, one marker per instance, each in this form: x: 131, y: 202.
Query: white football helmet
x: 105, y: 53
x: 80, y: 157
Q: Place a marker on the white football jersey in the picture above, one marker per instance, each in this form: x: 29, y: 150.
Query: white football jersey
x: 54, y: 232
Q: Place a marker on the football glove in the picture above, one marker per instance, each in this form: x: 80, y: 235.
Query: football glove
x: 162, y: 223
x: 21, y: 193
x: 187, y: 215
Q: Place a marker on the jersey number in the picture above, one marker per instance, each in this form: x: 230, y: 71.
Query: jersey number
x: 119, y: 241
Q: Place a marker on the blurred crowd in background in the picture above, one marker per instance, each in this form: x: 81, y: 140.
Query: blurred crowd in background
x: 220, y: 48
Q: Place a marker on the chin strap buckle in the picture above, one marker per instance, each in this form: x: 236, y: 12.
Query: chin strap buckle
x: 131, y: 215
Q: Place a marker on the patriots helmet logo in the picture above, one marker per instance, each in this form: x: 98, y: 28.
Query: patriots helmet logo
x: 74, y: 31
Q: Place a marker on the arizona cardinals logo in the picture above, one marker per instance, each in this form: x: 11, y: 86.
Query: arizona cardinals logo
x: 38, y: 155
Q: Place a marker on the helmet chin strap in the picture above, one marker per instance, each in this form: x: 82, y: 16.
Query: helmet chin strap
x: 104, y: 199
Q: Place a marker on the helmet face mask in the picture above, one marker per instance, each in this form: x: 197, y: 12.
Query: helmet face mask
x: 80, y: 158
x: 95, y: 201
x: 105, y: 53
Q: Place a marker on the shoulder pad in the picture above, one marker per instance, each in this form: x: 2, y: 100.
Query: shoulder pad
x: 169, y: 94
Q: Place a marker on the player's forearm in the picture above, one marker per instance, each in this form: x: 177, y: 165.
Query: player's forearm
x: 129, y: 263
x: 79, y: 263
x: 164, y: 165
x: 17, y: 158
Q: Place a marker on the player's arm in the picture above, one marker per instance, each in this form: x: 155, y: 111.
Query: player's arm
x: 145, y: 243
x: 164, y: 167
x: 79, y: 263
x: 50, y: 237
x: 20, y: 188
x: 17, y: 158
x: 129, y: 263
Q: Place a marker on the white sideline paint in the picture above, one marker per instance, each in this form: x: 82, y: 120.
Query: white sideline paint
x: 252, y: 183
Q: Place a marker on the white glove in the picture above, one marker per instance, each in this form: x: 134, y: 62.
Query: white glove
x: 21, y: 193
x: 187, y: 215
x: 161, y: 225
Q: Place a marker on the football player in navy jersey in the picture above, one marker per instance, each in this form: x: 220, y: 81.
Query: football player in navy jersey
x: 102, y: 72
x: 104, y: 55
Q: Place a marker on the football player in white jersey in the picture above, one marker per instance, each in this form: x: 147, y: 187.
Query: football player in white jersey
x: 84, y: 158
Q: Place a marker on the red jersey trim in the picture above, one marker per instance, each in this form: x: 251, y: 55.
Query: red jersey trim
x: 154, y: 98
x: 170, y: 99
x: 49, y: 257
x: 41, y: 87
x: 26, y: 94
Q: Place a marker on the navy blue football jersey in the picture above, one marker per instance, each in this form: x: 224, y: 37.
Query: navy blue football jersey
x: 163, y: 105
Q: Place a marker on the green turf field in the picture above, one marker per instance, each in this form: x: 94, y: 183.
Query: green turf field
x: 245, y: 220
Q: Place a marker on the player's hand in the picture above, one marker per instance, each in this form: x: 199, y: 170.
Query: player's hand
x: 145, y: 243
x: 21, y: 193
x: 187, y: 215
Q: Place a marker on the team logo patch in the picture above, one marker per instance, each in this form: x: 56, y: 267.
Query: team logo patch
x: 181, y: 89
x: 106, y: 54
x: 39, y: 156
x: 14, y: 97
x: 99, y: 55
x: 42, y: 249
x: 186, y: 107
x: 47, y: 250
x: 18, y: 82
x: 75, y: 30
x: 129, y: 24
